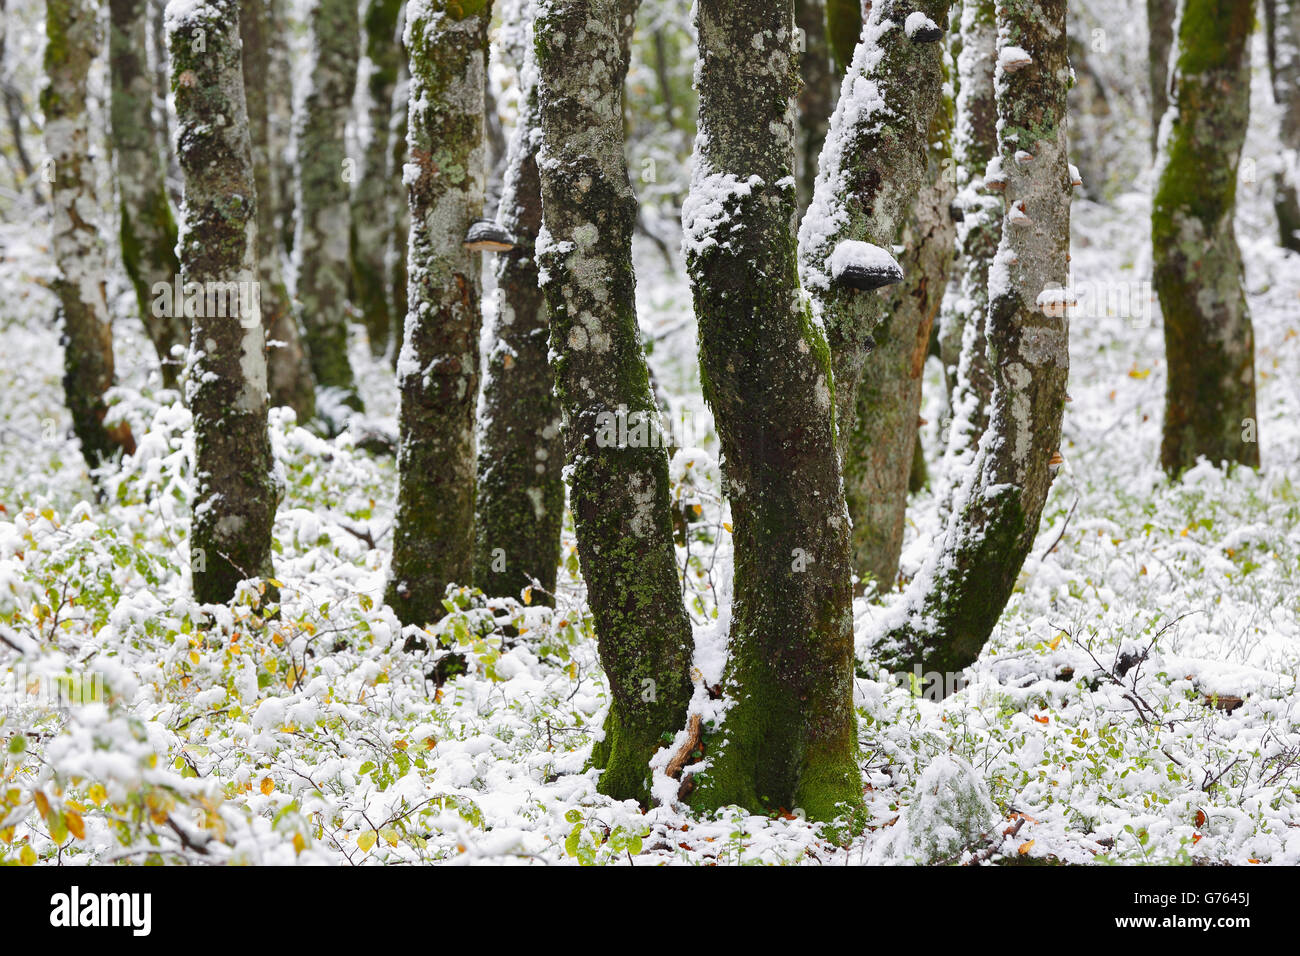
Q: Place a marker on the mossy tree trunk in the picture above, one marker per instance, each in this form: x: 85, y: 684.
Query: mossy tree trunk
x: 1160, y: 37
x: 789, y: 735
x: 438, y: 368
x: 520, y: 491
x: 73, y: 42
x: 881, y: 452
x: 975, y: 144
x: 236, y: 488
x: 1209, y: 341
x: 399, y: 232
x: 946, y: 617
x: 289, y: 377
x: 148, y: 231
x: 871, y: 170
x: 816, y: 95
x: 375, y: 192
x: 1282, y: 20
x: 619, y: 490
x: 320, y: 244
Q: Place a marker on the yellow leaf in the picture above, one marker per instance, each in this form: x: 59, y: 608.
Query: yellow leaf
x: 528, y: 595
x: 1024, y: 848
x: 299, y: 844
x: 76, y: 825
x: 268, y: 785
x: 194, y: 657
x: 727, y: 525
x: 366, y: 839
x: 42, y: 804
x: 27, y: 856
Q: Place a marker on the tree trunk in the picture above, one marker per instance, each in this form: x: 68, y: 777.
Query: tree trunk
x: 945, y: 619
x: 1160, y: 37
x: 73, y: 35
x: 816, y: 95
x: 148, y: 231
x: 520, y: 490
x: 881, y: 450
x: 871, y: 171
x: 789, y: 735
x: 395, y: 254
x: 438, y: 370
x: 320, y: 243
x: 236, y: 488
x: 289, y: 377
x: 280, y: 119
x: 1282, y: 19
x: 1209, y: 341
x: 375, y: 194
x: 975, y: 144
x: 619, y: 488
x: 843, y: 29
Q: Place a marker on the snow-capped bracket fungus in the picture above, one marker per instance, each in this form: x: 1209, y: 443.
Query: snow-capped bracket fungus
x: 863, y: 266
x: 484, y: 235
x: 921, y: 29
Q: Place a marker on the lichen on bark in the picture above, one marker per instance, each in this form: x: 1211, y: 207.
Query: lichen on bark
x: 73, y: 40
x: 438, y: 367
x: 619, y: 493
x: 236, y: 486
x: 1209, y: 340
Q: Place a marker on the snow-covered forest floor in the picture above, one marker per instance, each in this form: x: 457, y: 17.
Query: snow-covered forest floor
x: 314, y: 737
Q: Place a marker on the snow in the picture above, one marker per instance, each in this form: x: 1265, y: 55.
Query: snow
x: 917, y: 22
x: 853, y: 253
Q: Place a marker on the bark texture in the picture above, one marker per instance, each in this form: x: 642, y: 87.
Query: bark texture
x: 881, y: 452
x: 1282, y: 20
x: 438, y: 368
x: 148, y: 231
x: 619, y: 490
x: 73, y: 41
x: 872, y: 168
x: 975, y: 145
x: 236, y: 485
x: 520, y: 490
x: 376, y: 192
x: 289, y: 376
x: 1160, y: 37
x: 1209, y: 340
x: 789, y: 735
x: 816, y: 95
x: 843, y: 28
x: 957, y: 598
x: 320, y: 242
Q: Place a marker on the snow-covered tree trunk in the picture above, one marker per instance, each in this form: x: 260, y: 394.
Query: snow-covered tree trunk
x: 289, y: 377
x: 957, y: 598
x: 375, y: 193
x: 236, y: 488
x: 520, y: 490
x: 816, y: 95
x: 438, y: 368
x: 73, y: 41
x: 1282, y: 19
x: 148, y: 231
x: 320, y: 244
x: 789, y: 735
x: 1209, y: 340
x: 617, y: 466
x: 871, y: 170
x: 880, y: 453
x: 975, y: 145
x: 1160, y: 37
